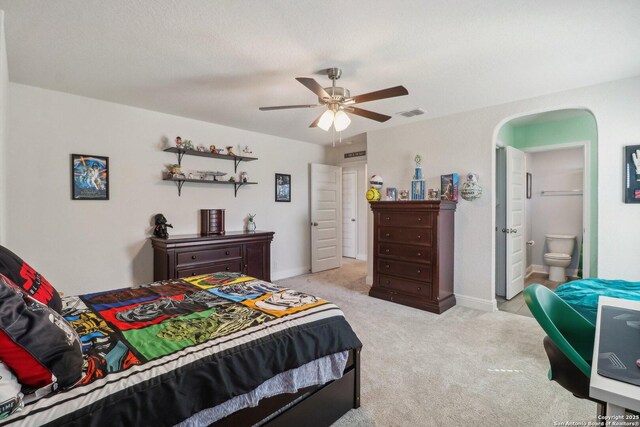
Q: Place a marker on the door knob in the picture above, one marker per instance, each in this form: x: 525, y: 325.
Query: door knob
x: 315, y: 224
x: 353, y: 220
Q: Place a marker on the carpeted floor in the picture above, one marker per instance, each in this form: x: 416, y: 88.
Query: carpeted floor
x: 461, y: 368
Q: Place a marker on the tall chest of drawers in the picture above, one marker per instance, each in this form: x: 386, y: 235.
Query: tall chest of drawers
x: 192, y: 255
x: 413, y: 253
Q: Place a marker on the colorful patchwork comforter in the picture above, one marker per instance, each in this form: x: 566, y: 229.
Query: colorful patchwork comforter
x: 158, y: 353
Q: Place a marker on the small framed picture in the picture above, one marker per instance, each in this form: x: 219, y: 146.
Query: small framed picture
x: 283, y: 187
x: 89, y: 177
x: 434, y: 194
x: 404, y: 195
x: 392, y: 193
x: 632, y: 174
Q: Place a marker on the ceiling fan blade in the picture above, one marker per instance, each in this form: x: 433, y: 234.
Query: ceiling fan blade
x: 316, y: 121
x: 284, y: 107
x: 314, y: 87
x: 380, y: 94
x: 368, y: 114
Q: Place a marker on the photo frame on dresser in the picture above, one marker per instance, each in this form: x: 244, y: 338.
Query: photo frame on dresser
x: 89, y: 177
x: 283, y: 187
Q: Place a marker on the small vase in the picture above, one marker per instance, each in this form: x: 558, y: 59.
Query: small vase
x: 251, y: 226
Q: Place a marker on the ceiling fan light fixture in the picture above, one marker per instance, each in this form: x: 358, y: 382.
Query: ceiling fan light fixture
x: 326, y: 120
x: 341, y: 121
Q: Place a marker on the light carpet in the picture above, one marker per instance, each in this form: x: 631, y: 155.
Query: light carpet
x: 461, y: 368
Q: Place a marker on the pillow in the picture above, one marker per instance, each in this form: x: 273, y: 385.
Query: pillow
x: 10, y: 396
x: 23, y: 275
x: 36, y: 343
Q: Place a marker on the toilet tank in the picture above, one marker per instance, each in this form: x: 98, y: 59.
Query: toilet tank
x: 560, y: 243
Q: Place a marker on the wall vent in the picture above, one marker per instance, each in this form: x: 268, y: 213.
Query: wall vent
x: 411, y: 113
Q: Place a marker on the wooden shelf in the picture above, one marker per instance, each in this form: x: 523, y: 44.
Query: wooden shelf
x: 180, y: 182
x: 236, y: 159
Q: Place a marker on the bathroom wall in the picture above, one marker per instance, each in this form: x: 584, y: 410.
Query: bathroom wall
x: 548, y: 214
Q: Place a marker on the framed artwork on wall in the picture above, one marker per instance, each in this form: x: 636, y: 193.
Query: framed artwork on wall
x: 632, y: 174
x: 283, y: 187
x: 529, y: 183
x: 89, y: 177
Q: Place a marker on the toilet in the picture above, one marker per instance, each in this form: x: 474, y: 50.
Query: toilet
x: 558, y: 258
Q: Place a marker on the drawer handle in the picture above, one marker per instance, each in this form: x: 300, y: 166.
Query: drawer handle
x: 226, y: 253
x: 386, y: 250
x: 419, y: 237
x: 387, y: 265
x: 419, y: 288
x: 387, y: 218
x: 386, y: 235
x: 227, y: 268
x: 419, y: 219
x: 388, y: 282
x: 193, y: 257
x: 419, y: 253
x: 193, y: 274
x: 419, y: 271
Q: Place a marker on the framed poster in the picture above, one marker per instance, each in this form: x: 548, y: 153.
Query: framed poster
x: 632, y: 174
x: 89, y: 177
x: 283, y: 187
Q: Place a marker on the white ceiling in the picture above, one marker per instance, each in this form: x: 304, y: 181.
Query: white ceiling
x: 219, y: 61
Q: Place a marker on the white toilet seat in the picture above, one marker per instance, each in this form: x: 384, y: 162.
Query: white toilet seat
x: 558, y: 256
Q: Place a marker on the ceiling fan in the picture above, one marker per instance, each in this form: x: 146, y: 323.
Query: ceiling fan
x: 339, y: 102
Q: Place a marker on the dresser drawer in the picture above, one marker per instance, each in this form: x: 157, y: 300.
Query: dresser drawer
x: 234, y: 266
x: 405, y: 252
x: 405, y: 219
x: 208, y: 255
x: 405, y: 286
x: 420, y: 272
x: 412, y: 236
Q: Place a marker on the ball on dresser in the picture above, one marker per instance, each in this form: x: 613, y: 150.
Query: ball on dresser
x: 376, y: 182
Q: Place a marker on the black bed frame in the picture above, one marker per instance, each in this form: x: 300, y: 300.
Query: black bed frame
x: 315, y: 406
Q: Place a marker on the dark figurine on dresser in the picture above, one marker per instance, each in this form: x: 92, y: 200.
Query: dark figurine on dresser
x: 161, y: 227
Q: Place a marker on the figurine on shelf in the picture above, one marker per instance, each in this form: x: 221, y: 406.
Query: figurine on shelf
x: 201, y: 148
x: 179, y: 143
x: 161, y: 227
x: 230, y: 151
x: 245, y: 150
x: 188, y: 145
x: 174, y: 170
x: 212, y: 148
x: 243, y: 177
x: 232, y: 179
x: 251, y: 224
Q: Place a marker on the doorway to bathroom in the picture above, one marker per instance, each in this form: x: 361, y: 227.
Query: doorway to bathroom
x: 546, y: 203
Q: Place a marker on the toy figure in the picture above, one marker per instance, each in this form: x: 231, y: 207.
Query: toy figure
x: 188, y: 145
x: 161, y: 227
x: 179, y: 142
x: 243, y: 177
x: 251, y: 224
x: 230, y: 151
x: 246, y: 150
x: 201, y: 148
x: 212, y: 148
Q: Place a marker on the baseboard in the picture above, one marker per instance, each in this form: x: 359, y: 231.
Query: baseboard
x: 284, y: 274
x: 544, y: 269
x: 361, y: 257
x: 476, y: 303
x: 529, y: 271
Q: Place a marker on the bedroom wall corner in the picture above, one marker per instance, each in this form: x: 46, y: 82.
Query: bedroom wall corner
x: 85, y: 246
x: 4, y: 83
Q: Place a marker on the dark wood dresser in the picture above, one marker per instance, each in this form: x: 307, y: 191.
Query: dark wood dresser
x: 192, y: 255
x: 413, y: 253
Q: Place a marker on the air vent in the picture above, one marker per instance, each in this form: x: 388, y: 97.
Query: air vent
x: 411, y: 113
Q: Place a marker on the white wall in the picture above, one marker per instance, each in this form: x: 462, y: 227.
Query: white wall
x: 465, y: 142
x: 82, y: 246
x: 4, y: 83
x: 555, y: 170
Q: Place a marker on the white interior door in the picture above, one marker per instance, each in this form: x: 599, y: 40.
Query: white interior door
x: 326, y: 223
x: 515, y: 216
x: 349, y: 213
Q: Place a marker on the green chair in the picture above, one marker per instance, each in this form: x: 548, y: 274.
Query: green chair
x: 569, y: 341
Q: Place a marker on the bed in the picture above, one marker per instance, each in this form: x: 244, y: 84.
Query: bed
x: 201, y: 351
x: 583, y: 294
